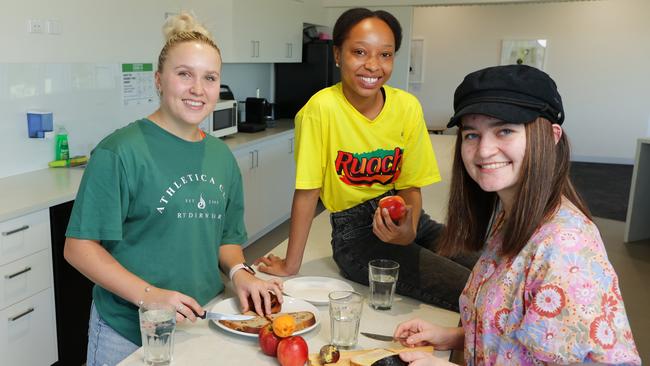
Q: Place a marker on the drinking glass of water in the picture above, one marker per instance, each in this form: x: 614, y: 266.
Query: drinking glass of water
x: 382, y: 275
x: 157, y: 326
x: 345, y: 314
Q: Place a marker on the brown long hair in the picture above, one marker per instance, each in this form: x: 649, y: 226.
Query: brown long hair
x: 544, y: 180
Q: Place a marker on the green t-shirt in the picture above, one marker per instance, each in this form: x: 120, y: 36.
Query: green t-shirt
x: 161, y: 206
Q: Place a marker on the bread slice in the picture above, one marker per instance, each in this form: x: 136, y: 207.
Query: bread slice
x: 371, y: 357
x: 252, y: 326
x: 304, y: 319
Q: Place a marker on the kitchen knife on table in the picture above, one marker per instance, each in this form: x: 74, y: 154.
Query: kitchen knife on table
x: 221, y: 316
x: 381, y: 337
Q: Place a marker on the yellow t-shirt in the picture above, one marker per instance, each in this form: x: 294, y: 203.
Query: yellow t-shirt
x: 353, y: 159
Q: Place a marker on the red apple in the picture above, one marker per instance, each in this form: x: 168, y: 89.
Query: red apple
x: 395, y: 205
x: 293, y: 351
x: 269, y: 341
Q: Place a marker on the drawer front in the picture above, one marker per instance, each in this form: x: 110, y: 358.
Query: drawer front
x: 24, y: 235
x: 25, y: 277
x: 27, y: 331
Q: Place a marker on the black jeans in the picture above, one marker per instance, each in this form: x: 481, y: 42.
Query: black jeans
x: 423, y: 274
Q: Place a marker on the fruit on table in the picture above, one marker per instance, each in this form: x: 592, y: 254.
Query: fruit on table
x: 269, y: 341
x: 395, y: 205
x: 293, y: 351
x: 329, y: 354
x: 284, y: 325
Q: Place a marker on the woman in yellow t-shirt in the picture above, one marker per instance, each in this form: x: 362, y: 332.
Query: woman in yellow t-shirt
x: 357, y: 142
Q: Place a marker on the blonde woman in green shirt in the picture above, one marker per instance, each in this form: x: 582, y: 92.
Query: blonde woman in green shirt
x: 160, y: 206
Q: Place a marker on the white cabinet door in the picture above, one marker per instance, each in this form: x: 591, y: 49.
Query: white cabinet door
x: 246, y: 160
x: 267, y: 31
x: 277, y: 167
x: 25, y: 277
x: 268, y: 174
x: 24, y: 235
x: 285, y: 40
x: 27, y: 331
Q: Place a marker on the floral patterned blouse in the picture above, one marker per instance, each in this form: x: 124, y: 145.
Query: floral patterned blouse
x: 557, y: 301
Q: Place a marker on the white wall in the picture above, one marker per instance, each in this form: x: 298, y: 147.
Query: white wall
x: 598, y: 53
x: 77, y: 74
x: 404, y: 15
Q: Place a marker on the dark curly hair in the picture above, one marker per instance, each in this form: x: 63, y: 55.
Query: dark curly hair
x: 351, y: 17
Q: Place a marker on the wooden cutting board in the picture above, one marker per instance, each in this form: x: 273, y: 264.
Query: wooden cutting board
x: 344, y: 360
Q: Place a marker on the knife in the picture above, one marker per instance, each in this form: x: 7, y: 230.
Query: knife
x: 221, y: 316
x: 381, y: 337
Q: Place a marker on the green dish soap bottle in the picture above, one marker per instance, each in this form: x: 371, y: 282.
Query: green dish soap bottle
x: 61, y: 150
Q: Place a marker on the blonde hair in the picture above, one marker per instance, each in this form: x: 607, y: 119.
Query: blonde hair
x: 183, y: 28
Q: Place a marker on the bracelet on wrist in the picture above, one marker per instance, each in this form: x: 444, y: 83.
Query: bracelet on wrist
x: 239, y: 266
x: 146, y: 289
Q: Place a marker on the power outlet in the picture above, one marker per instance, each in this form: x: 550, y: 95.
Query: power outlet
x: 35, y: 26
x: 53, y: 26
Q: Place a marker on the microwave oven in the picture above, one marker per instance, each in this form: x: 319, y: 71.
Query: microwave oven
x: 223, y: 120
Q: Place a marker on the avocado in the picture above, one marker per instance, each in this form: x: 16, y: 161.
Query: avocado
x: 393, y: 360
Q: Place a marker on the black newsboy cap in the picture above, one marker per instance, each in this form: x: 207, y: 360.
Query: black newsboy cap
x: 512, y: 93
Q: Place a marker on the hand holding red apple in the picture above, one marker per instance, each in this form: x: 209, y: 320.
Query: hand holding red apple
x: 385, y: 225
x: 395, y: 205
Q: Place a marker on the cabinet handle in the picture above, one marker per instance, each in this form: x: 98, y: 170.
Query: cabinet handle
x: 257, y: 158
x: 289, y: 50
x: 14, y: 318
x: 10, y: 232
x: 25, y: 270
x: 257, y: 54
x: 252, y: 159
x: 291, y: 145
x: 253, y: 49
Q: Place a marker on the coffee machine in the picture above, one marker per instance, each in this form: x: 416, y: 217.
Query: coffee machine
x: 257, y: 110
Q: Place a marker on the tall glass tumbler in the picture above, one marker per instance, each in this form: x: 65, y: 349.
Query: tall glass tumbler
x: 345, y: 315
x: 382, y: 276
x: 157, y: 326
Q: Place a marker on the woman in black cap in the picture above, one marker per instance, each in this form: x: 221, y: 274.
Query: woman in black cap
x: 543, y: 290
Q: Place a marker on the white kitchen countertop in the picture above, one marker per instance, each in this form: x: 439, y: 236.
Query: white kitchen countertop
x: 37, y: 190
x: 242, y: 140
x: 203, y: 343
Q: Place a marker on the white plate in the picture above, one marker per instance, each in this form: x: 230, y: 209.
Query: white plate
x: 289, y: 305
x: 314, y: 289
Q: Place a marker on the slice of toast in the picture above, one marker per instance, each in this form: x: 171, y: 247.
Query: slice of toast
x: 304, y: 319
x: 371, y: 357
x: 252, y: 326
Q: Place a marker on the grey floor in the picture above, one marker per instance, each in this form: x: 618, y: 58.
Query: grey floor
x: 631, y: 261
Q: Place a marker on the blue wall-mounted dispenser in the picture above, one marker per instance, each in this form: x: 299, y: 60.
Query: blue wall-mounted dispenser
x: 39, y: 122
